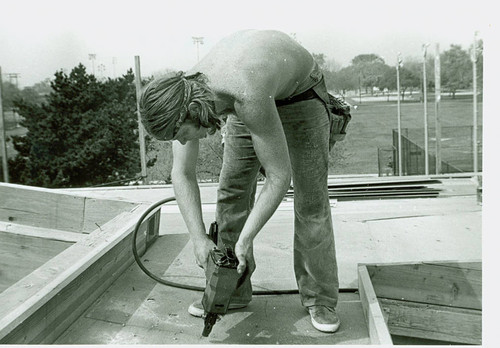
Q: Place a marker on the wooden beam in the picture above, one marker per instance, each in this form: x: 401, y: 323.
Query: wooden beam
x: 433, y: 322
x: 42, y: 305
x: 40, y: 232
x: 377, y: 328
x: 47, y: 208
x: 445, y: 283
x: 21, y: 255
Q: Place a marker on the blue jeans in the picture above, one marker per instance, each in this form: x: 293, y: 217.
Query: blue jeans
x: 306, y: 126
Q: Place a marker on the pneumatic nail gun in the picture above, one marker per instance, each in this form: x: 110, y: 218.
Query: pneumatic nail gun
x: 222, y: 280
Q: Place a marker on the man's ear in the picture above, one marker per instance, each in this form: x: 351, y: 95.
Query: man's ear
x: 194, y: 110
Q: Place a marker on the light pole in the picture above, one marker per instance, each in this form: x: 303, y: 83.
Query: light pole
x: 473, y: 57
x: 437, y: 79
x: 400, y: 154
x: 101, y: 68
x: 92, y: 58
x: 426, y: 119
x: 197, y: 40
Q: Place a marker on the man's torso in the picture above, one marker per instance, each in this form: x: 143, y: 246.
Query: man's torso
x: 252, y: 64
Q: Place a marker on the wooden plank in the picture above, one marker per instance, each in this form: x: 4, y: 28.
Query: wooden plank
x: 61, y: 290
x: 434, y: 322
x: 382, y: 193
x: 41, y: 208
x: 384, y: 182
x: 52, y: 209
x: 40, y: 232
x: 99, y: 211
x: 351, y: 198
x: 21, y: 255
x: 437, y: 283
x: 377, y: 328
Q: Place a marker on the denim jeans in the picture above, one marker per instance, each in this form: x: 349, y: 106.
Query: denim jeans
x: 306, y: 126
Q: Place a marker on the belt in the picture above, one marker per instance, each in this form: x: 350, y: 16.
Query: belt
x: 309, y: 94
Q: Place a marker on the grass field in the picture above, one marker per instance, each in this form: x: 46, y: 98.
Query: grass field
x: 371, y: 128
x: 372, y: 124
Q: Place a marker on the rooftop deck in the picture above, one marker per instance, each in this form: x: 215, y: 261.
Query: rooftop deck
x: 137, y: 310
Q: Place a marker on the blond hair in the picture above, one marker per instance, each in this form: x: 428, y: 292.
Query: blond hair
x: 164, y: 102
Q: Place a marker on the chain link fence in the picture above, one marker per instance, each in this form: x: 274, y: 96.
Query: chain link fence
x: 457, y: 151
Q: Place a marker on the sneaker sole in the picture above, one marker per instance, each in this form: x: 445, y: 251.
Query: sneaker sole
x: 328, y: 328
x: 200, y: 312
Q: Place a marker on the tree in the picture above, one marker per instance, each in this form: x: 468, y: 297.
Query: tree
x: 369, y: 69
x: 85, y: 134
x: 344, y: 80
x: 456, y: 69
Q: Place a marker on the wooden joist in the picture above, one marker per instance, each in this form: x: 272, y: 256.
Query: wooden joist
x: 448, y: 284
x: 40, y: 306
x: 377, y: 328
x: 432, y: 322
x: 46, y: 208
x: 429, y: 300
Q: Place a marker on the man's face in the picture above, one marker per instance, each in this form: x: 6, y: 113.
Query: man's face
x: 190, y: 130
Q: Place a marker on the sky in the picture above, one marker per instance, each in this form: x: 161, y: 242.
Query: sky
x: 38, y: 38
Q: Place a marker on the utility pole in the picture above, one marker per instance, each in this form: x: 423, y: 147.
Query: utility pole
x: 437, y: 73
x: 473, y: 57
x: 400, y: 154
x: 197, y: 40
x: 426, y: 117
x: 142, y: 141
x: 2, y: 133
x: 14, y: 76
x: 101, y: 68
x: 92, y: 58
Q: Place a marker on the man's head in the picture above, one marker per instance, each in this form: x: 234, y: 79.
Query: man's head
x: 167, y: 103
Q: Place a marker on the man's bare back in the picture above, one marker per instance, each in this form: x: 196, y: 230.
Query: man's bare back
x: 256, y: 64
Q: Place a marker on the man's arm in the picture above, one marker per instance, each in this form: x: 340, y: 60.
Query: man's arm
x: 262, y: 119
x: 187, y: 194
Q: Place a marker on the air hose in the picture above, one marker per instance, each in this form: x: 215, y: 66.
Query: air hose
x: 186, y: 286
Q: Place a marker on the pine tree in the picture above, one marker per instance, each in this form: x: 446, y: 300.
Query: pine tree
x: 86, y: 133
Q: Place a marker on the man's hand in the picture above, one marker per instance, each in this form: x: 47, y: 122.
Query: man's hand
x: 244, y: 254
x: 202, y: 247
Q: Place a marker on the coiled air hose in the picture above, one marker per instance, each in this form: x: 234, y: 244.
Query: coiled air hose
x: 180, y: 285
x: 186, y: 286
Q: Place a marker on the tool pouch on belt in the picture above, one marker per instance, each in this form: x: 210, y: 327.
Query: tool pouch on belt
x: 338, y: 111
x: 340, y: 117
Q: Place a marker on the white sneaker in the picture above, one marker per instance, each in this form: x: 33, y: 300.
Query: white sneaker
x: 196, y: 308
x: 324, y: 318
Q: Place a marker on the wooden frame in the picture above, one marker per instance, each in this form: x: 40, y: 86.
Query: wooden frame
x: 40, y: 306
x: 427, y: 300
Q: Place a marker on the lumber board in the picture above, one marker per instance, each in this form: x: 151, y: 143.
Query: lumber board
x: 99, y: 211
x: 21, y: 255
x: 433, y: 283
x: 434, y: 322
x: 365, y: 197
x: 52, y: 209
x: 378, y: 188
x: 61, y: 290
x: 384, y: 182
x: 40, y: 232
x: 382, y: 193
x: 377, y: 328
x: 40, y: 207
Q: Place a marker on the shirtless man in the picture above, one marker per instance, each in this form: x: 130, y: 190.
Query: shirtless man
x: 273, y: 95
